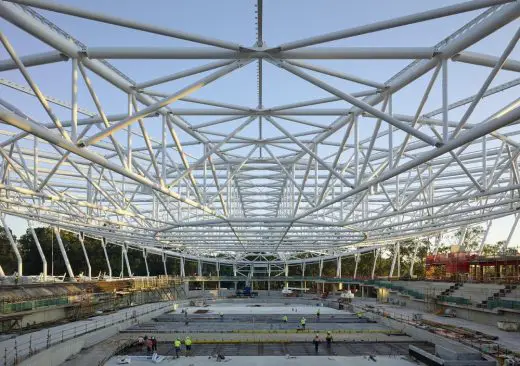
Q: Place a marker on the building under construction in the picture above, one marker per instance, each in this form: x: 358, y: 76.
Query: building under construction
x: 254, y: 174
x: 473, y: 267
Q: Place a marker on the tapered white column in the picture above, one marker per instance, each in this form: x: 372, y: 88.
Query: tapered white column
x: 82, y: 242
x: 511, y: 232
x: 145, y: 256
x: 376, y: 254
x: 286, y: 271
x: 64, y: 254
x: 183, y: 270
x: 127, y: 262
x: 103, y: 245
x: 357, y: 258
x: 163, y: 256
x: 484, y: 238
x: 39, y: 247
x: 13, y: 245
x: 414, y: 257
x: 394, y: 259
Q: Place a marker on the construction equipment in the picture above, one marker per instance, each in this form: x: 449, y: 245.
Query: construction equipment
x: 246, y: 292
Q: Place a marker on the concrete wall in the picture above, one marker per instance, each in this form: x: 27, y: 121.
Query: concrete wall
x: 434, y: 360
x: 475, y: 315
x: 59, y: 353
x: 44, y: 316
x: 421, y: 334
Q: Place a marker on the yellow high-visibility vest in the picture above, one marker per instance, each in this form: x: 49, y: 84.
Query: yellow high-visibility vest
x: 187, y: 342
x: 177, y: 344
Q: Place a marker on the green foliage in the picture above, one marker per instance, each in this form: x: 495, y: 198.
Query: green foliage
x: 472, y: 238
x: 72, y: 245
x: 49, y: 244
x: 7, y: 257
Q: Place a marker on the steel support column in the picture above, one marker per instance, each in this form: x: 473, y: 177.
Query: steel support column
x: 376, y: 255
x: 394, y: 261
x: 414, y: 257
x: 64, y: 254
x: 463, y: 237
x: 164, y: 259
x: 357, y: 258
x: 104, y: 246
x: 286, y: 272
x: 183, y: 270
x: 484, y: 237
x: 510, y: 236
x: 40, y: 250
x: 14, y: 247
x: 268, y: 279
x: 124, y: 247
x: 87, y: 261
x: 145, y: 257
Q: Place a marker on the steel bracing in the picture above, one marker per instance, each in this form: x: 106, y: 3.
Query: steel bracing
x: 180, y: 175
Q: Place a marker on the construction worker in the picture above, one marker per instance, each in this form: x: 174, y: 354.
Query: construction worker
x: 177, y: 345
x: 284, y: 319
x: 328, y: 338
x: 302, y: 322
x: 154, y: 344
x: 316, y: 341
x: 188, y: 342
x: 221, y: 314
x: 318, y: 314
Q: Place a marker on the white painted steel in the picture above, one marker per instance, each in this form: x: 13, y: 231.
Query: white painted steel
x: 329, y: 183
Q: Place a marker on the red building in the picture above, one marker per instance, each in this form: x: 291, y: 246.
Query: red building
x: 469, y: 266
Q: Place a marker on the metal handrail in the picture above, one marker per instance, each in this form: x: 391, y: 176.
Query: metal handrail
x: 23, y: 350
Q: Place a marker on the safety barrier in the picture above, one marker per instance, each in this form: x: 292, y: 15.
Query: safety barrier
x: 7, y: 308
x: 502, y: 303
x: 25, y: 346
x: 251, y: 340
x: 401, y: 289
x: 335, y: 331
x: 455, y: 300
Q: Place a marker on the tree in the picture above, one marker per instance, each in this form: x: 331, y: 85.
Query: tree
x: 7, y: 256
x: 96, y: 255
x: 472, y: 238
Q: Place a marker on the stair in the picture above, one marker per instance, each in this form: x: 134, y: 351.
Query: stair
x: 449, y: 291
x: 501, y: 293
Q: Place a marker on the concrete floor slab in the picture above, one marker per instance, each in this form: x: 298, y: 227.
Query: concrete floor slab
x: 204, y: 327
x: 294, y: 348
x: 262, y: 308
x: 509, y: 340
x: 274, y: 360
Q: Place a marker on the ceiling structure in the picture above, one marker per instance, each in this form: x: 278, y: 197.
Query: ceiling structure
x: 349, y: 170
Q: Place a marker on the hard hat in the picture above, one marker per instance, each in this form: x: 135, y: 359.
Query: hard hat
x: 317, y: 335
x: 328, y: 332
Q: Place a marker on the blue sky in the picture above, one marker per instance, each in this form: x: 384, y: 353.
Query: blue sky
x: 283, y: 21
